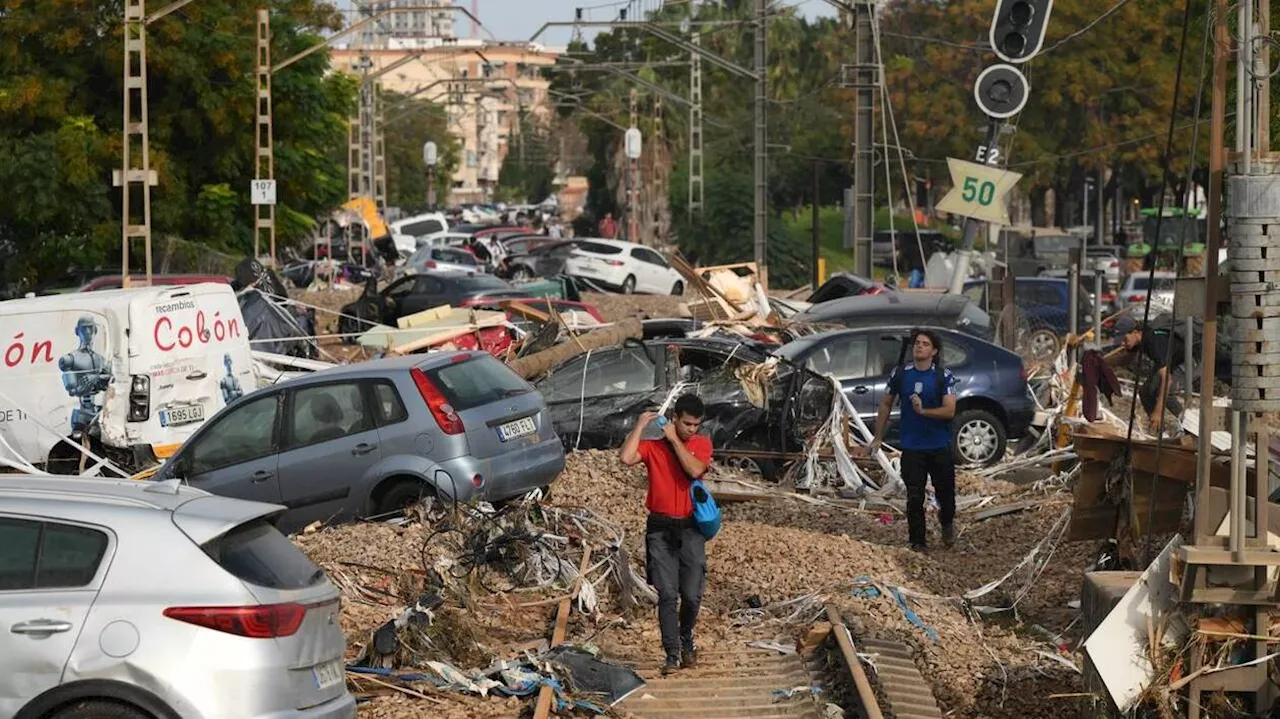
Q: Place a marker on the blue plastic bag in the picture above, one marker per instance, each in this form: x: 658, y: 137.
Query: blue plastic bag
x: 706, y: 514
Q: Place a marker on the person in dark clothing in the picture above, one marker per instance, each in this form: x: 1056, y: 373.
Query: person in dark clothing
x: 1165, y: 351
x: 675, y: 551
x: 480, y: 251
x: 925, y: 429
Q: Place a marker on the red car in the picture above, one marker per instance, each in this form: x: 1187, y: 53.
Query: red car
x: 114, y: 282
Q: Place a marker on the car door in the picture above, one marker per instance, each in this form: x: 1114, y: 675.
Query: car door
x: 236, y: 455
x: 426, y: 293
x: 594, y: 399
x: 330, y: 447
x: 50, y: 573
x: 844, y: 357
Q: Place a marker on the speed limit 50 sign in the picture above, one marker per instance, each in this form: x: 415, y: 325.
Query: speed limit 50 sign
x: 978, y: 191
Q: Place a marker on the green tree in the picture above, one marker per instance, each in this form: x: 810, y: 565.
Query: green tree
x: 409, y: 126
x: 527, y: 174
x: 60, y: 127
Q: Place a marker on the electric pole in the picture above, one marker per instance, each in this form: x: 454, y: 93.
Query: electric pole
x: 264, y: 194
x: 761, y: 152
x: 633, y: 182
x: 696, y: 194
x: 866, y: 78
x: 136, y: 146
x: 659, y: 166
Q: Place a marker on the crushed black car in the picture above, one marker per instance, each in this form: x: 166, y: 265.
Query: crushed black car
x: 755, y: 403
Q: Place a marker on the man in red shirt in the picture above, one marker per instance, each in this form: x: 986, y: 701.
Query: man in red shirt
x: 675, y: 551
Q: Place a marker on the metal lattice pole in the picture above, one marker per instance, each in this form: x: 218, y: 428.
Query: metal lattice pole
x: 135, y: 144
x: 761, y: 151
x: 633, y: 183
x: 264, y: 215
x: 379, y: 152
x: 696, y: 191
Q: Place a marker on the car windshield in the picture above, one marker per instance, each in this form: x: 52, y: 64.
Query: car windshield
x: 1057, y: 243
x: 599, y: 248
x: 483, y: 282
x: 477, y: 382
x: 795, y: 348
x: 1163, y: 284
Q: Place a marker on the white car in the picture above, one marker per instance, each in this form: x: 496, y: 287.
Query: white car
x: 623, y: 266
x: 130, y: 599
x: 447, y: 238
x: 405, y: 233
x: 441, y: 259
x: 1135, y: 289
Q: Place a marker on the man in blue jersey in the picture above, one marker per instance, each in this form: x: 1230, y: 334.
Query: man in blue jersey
x: 928, y: 405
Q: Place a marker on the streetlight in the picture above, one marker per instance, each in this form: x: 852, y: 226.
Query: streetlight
x: 430, y: 156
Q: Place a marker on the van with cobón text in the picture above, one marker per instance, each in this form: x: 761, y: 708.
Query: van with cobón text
x: 131, y: 373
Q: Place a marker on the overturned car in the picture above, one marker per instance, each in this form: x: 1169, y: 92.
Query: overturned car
x: 760, y: 409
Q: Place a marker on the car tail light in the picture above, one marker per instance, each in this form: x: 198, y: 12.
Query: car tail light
x: 477, y: 481
x: 264, y: 621
x: 431, y: 264
x: 140, y: 398
x: 448, y: 419
x: 1113, y: 263
x: 1137, y: 298
x: 613, y: 263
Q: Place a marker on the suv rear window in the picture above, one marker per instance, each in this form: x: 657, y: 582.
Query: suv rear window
x: 599, y: 248
x: 477, y: 382
x: 257, y: 553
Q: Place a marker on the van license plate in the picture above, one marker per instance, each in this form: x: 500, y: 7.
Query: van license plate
x: 182, y: 415
x: 328, y: 674
x: 518, y: 428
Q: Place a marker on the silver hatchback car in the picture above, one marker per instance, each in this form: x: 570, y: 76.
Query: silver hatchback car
x: 150, y: 600
x: 369, y: 438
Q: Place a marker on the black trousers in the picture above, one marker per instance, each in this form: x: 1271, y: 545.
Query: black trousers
x: 918, y: 467
x: 676, y: 565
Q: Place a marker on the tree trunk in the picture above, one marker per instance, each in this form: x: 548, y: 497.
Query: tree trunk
x: 538, y: 363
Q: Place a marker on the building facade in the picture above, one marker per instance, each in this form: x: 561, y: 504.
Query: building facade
x: 484, y: 86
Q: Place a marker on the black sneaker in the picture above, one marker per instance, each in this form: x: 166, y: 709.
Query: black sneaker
x: 949, y: 535
x: 671, y: 665
x: 689, y: 657
x: 919, y: 548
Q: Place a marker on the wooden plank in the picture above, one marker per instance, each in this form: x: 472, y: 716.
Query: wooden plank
x: 535, y: 364
x: 524, y: 311
x: 546, y: 694
x: 867, y: 695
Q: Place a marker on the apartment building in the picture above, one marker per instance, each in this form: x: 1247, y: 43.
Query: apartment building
x: 484, y: 85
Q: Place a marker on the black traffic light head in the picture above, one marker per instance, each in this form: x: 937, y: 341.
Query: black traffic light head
x: 1018, y: 28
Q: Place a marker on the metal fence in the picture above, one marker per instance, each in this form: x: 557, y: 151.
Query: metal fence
x: 173, y: 255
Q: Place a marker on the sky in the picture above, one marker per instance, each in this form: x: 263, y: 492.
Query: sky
x: 520, y: 19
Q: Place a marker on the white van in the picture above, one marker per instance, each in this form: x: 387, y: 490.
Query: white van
x: 138, y: 370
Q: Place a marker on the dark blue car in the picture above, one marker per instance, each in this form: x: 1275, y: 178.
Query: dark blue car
x: 993, y: 402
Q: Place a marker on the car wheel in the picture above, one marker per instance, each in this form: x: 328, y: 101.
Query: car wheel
x: 1042, y: 344
x: 629, y: 285
x: 93, y: 709
x: 678, y: 289
x: 400, y: 496
x: 977, y: 438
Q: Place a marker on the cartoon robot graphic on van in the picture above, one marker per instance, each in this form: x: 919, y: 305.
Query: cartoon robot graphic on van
x: 86, y: 373
x: 231, y: 390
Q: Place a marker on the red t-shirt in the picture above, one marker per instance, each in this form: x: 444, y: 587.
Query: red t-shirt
x: 668, y: 482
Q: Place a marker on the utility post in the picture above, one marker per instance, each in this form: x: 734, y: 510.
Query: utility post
x: 1001, y: 91
x: 696, y: 194
x: 263, y: 195
x: 379, y: 151
x: 761, y: 150
x: 658, y: 164
x: 633, y: 174
x: 131, y: 177
x: 865, y: 81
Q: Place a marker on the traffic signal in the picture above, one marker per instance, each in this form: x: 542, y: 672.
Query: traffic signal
x: 1017, y: 30
x: 1001, y: 91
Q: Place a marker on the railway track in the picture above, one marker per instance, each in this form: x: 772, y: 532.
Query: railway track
x: 750, y: 683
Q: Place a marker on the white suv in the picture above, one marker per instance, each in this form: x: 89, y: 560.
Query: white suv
x: 151, y: 600
x: 623, y: 266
